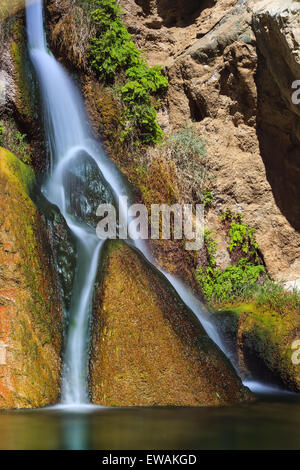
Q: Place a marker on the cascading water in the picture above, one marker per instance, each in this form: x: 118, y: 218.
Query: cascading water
x: 68, y: 137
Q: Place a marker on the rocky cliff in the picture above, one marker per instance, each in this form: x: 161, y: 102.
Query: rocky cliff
x: 231, y: 65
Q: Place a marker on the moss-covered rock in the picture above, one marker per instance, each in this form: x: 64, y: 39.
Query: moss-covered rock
x: 261, y: 342
x: 10, y: 8
x: 31, y: 320
x: 147, y: 348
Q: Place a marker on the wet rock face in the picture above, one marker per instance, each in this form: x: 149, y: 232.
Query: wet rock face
x: 19, y: 94
x: 147, y: 348
x: 261, y: 343
x: 86, y: 189
x: 31, y: 319
x: 63, y: 247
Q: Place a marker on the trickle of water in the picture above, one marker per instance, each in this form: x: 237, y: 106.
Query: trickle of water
x: 68, y: 135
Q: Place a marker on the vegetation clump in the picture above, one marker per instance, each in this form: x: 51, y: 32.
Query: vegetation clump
x: 242, y: 237
x: 118, y: 62
x: 220, y: 286
x: 245, y: 280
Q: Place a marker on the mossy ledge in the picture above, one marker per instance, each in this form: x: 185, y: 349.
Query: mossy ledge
x: 261, y: 341
x: 147, y: 350
x: 31, y: 319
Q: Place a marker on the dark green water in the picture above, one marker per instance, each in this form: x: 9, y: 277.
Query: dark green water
x: 273, y: 422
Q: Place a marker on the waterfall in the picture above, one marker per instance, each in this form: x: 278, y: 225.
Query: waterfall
x: 68, y: 137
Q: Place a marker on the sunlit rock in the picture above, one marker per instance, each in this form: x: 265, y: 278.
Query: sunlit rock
x: 31, y: 320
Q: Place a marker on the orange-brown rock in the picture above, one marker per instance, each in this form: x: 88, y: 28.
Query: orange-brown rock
x: 147, y: 348
x: 31, y: 317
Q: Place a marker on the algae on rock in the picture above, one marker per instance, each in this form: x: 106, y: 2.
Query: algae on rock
x: 261, y: 340
x: 31, y: 319
x: 147, y: 348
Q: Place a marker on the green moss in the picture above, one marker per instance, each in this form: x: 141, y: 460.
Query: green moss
x: 26, y: 91
x: 117, y: 61
x: 267, y: 335
x: 36, y: 323
x: 17, y: 172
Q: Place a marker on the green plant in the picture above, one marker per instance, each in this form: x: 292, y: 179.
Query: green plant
x: 247, y: 279
x: 21, y: 146
x: 12, y: 139
x: 207, y: 198
x: 230, y: 216
x: 117, y: 61
x: 234, y: 282
x: 242, y: 237
x: 277, y: 298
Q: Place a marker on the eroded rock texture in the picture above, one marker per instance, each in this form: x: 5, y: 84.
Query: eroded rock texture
x: 277, y: 29
x: 231, y: 72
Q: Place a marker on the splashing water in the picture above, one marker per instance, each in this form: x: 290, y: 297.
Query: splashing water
x: 68, y: 136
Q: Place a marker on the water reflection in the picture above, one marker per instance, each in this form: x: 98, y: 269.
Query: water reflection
x: 270, y: 423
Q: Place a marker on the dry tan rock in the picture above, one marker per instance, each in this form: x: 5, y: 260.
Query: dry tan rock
x: 165, y: 28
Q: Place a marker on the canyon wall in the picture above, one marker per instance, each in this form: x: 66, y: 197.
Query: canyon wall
x: 231, y: 66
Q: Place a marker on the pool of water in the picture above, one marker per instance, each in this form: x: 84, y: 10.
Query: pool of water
x: 272, y: 422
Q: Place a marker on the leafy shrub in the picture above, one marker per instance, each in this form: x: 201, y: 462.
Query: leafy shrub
x: 245, y: 281
x: 115, y: 58
x: 242, y: 237
x: 207, y: 198
x: 220, y: 286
